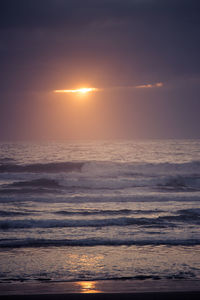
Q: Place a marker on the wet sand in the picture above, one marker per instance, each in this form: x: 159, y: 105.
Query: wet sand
x: 110, y: 289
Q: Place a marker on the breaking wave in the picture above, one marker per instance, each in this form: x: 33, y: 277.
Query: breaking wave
x: 103, y: 167
x: 93, y: 175
x: 161, y: 221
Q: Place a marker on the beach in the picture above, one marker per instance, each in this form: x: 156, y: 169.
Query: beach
x: 103, y: 290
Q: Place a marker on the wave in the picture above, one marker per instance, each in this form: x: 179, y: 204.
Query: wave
x: 160, y: 222
x: 104, y: 168
x: 54, y: 223
x: 137, y: 277
x: 8, y: 224
x: 193, y: 212
x: 75, y: 184
x: 5, y: 213
x: 140, y: 277
x: 185, y: 216
x: 105, y: 212
x: 89, y: 242
x: 92, y: 198
x: 28, y: 190
x: 31, y: 186
x: 6, y: 160
x: 41, y: 182
x: 179, y: 275
x: 96, y: 176
x: 53, y: 167
x: 182, y: 183
x: 140, y: 169
x: 194, y: 219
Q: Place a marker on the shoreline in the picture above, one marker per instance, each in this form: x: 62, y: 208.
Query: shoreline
x: 105, y: 296
x: 102, y: 288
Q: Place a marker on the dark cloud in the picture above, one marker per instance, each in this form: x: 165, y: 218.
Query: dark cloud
x: 51, y: 13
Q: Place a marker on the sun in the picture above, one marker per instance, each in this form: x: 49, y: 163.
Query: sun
x: 83, y: 90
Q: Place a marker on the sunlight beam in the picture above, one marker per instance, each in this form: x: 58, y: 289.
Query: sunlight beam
x: 82, y: 90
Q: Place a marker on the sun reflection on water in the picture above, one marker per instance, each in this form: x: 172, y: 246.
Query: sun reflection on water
x: 88, y: 287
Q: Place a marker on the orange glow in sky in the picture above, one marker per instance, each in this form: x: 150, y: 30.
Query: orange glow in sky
x: 81, y: 90
x: 86, y: 90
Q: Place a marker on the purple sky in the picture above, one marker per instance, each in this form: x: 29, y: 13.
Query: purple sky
x: 109, y: 44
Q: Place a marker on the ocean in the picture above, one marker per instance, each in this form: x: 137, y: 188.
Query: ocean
x: 100, y: 210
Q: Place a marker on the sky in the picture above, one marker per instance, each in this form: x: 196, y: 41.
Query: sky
x: 141, y: 55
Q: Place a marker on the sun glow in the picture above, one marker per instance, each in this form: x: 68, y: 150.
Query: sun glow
x: 81, y: 90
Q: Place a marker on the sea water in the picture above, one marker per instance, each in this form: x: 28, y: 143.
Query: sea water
x: 89, y: 210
